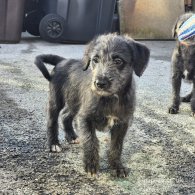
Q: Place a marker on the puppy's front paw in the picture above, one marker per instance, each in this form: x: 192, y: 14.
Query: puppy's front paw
x: 185, y: 99
x: 91, y: 167
x: 55, y: 148
x: 75, y: 141
x: 72, y: 140
x: 193, y: 114
x: 173, y: 110
x: 120, y: 172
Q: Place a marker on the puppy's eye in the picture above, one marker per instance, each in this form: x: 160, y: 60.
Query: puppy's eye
x: 118, y: 61
x: 95, y: 60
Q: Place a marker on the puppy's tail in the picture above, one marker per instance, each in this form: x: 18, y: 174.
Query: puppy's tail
x: 49, y: 59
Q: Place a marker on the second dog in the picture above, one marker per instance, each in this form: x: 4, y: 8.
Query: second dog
x: 183, y: 67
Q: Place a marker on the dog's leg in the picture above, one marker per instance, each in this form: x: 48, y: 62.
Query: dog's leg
x: 67, y: 120
x: 90, y: 145
x: 193, y: 100
x: 176, y: 82
x: 52, y: 127
x: 114, y: 156
x: 176, y: 85
x: 186, y: 98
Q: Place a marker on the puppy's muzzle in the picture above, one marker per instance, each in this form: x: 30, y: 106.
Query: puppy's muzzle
x: 102, y: 83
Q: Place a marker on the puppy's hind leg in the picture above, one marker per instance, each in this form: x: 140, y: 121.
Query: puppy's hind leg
x: 52, y: 127
x: 67, y: 120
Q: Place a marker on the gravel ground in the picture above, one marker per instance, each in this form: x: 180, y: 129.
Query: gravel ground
x: 159, y: 149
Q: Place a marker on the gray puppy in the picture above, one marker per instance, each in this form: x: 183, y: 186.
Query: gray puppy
x: 183, y: 67
x: 98, y: 92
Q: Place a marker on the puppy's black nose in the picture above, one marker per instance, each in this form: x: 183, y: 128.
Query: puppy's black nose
x: 102, y: 83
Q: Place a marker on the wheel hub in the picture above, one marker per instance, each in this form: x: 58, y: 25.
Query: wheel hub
x: 54, y: 29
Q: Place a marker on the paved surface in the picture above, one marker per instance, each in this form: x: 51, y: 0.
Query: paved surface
x: 159, y: 148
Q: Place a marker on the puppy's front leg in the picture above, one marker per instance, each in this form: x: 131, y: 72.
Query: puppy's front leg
x: 118, y: 133
x: 90, y: 144
x: 193, y: 99
x: 176, y: 85
x: 176, y: 82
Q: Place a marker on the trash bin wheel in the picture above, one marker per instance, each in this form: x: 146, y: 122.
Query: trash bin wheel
x: 51, y: 28
x: 32, y: 21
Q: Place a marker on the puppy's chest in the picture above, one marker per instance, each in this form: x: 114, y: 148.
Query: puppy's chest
x: 105, y: 123
x: 188, y: 65
x: 188, y: 70
x: 108, y: 115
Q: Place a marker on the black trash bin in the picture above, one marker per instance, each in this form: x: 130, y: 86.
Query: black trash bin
x: 11, y: 18
x: 32, y: 17
x: 75, y: 20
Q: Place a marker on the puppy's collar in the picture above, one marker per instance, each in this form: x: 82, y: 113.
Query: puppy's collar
x: 186, y: 44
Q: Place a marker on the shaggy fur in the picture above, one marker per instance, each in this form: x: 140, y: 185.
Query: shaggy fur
x: 183, y: 67
x: 98, y: 92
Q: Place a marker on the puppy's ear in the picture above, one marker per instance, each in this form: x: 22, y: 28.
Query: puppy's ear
x: 87, y: 54
x: 179, y: 22
x: 174, y: 29
x: 86, y: 57
x: 141, y: 56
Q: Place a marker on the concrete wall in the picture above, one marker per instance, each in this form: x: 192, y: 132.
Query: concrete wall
x: 149, y: 19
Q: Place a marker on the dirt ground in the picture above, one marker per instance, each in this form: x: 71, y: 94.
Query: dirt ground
x: 159, y: 148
